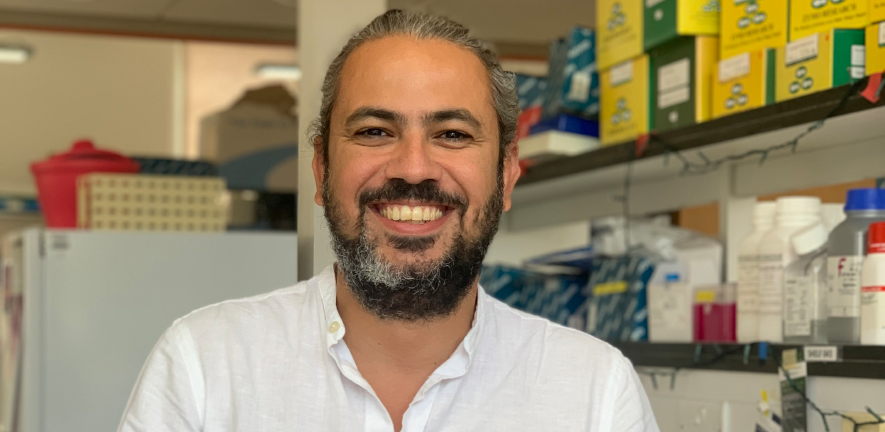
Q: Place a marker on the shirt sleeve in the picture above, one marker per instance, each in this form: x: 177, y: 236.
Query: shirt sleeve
x: 165, y: 397
x: 633, y: 411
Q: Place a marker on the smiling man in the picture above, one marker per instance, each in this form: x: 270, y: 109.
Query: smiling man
x: 415, y: 159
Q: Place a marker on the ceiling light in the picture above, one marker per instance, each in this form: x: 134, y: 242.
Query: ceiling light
x: 12, y: 54
x: 279, y: 71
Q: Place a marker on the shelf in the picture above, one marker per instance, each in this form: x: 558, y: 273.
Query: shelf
x: 766, y: 119
x: 857, y: 361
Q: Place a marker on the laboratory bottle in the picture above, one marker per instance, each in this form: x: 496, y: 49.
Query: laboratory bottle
x: 805, y: 287
x: 872, y: 296
x: 748, y: 273
x: 775, y: 253
x: 847, y: 248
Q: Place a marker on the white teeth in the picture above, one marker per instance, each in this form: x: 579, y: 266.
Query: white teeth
x: 417, y: 214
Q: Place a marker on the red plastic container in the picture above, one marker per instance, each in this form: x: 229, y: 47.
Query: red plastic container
x: 57, y: 179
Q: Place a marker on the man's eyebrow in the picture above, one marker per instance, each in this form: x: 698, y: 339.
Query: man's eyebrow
x: 452, y: 114
x: 377, y: 113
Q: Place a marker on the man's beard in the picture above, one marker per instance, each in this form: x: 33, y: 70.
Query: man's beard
x: 423, y: 289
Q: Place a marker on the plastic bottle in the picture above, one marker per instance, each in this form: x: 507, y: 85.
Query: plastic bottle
x: 832, y: 215
x: 872, y: 309
x: 748, y: 273
x: 805, y: 288
x: 847, y: 247
x: 775, y: 254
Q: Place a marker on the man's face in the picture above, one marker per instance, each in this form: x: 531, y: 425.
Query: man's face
x: 414, y: 135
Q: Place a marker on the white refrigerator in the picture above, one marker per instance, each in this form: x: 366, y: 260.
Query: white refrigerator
x: 82, y: 311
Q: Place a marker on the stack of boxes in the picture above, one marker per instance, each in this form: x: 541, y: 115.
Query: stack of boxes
x: 666, y: 64
x: 657, y: 59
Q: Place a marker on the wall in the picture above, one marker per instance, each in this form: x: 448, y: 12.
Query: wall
x: 219, y: 73
x: 120, y: 92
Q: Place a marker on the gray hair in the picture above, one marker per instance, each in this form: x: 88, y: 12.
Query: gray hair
x: 422, y: 26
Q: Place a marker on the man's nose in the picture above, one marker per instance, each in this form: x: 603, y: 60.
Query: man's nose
x: 413, y: 160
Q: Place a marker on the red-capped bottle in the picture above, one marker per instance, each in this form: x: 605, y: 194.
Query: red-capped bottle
x: 872, y: 298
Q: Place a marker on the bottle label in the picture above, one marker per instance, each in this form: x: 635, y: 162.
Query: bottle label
x: 748, y: 284
x: 798, y: 307
x: 843, y: 274
x: 771, y: 283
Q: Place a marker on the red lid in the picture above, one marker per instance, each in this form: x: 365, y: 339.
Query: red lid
x: 84, y: 151
x: 876, y: 238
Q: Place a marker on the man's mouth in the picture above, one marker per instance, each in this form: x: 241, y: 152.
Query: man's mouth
x: 414, y: 214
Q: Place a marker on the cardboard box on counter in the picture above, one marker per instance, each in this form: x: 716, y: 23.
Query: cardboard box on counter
x: 875, y: 45
x: 619, y: 30
x: 666, y: 20
x: 618, y: 309
x: 808, y: 17
x: 573, y: 83
x: 255, y: 142
x: 752, y: 25
x: 625, y: 101
x: 819, y: 62
x: 744, y: 82
x: 682, y: 73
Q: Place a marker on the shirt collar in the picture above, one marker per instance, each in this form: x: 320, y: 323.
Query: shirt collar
x: 457, y: 364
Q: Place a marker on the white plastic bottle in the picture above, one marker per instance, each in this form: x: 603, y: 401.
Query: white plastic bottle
x: 748, y: 273
x: 872, y: 292
x: 775, y: 254
x: 805, y: 288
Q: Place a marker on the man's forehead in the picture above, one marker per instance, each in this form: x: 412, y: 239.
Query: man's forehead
x: 414, y: 77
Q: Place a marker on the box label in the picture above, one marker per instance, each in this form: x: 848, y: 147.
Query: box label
x: 676, y: 74
x: 881, y: 34
x: 580, y: 88
x: 621, y: 73
x: 813, y: 16
x: 752, y: 25
x: 822, y: 354
x: 802, y: 49
x: 619, y: 26
x: 673, y: 97
x: 734, y: 67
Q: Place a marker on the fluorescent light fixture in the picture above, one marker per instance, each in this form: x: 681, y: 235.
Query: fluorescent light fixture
x: 279, y: 71
x: 13, y: 54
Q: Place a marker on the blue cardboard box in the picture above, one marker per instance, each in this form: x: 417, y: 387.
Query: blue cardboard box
x: 567, y: 123
x: 573, y: 82
x: 618, y: 306
x: 530, y: 90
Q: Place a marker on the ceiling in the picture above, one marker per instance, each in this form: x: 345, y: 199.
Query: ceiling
x: 529, y: 22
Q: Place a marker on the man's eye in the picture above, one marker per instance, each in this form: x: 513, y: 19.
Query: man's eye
x: 454, y: 135
x: 373, y: 132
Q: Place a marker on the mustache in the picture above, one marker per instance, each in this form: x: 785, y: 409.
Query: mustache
x: 427, y: 190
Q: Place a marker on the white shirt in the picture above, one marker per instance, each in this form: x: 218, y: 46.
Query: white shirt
x: 277, y: 362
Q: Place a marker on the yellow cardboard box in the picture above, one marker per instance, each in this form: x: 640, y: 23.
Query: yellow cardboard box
x: 624, y: 111
x: 618, y: 31
x: 819, y: 62
x: 875, y: 43
x: 752, y: 25
x: 744, y: 82
x: 666, y: 20
x: 877, y: 11
x: 814, y: 16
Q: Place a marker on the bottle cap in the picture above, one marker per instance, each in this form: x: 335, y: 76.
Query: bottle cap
x: 876, y: 238
x: 865, y: 199
x: 798, y: 205
x: 810, y: 239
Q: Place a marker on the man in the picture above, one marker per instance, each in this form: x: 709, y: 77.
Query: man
x: 415, y: 159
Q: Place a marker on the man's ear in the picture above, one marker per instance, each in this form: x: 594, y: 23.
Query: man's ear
x: 319, y: 169
x: 511, y: 171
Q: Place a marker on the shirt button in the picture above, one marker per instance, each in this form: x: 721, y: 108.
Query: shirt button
x: 334, y: 326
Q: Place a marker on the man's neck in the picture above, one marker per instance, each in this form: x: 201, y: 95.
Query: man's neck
x: 409, y: 347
